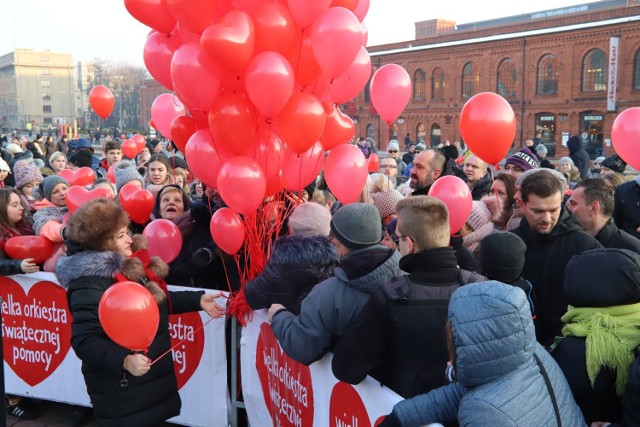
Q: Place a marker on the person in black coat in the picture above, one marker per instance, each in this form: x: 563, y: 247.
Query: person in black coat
x: 125, y: 389
x: 602, y: 287
x: 579, y: 156
x: 297, y: 263
x: 626, y: 212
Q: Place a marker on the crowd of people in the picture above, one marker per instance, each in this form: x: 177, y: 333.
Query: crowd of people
x: 528, y: 315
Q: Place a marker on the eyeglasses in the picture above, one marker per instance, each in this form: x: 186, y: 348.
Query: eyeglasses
x: 393, y: 151
x: 513, y: 168
x: 400, y: 237
x: 388, y: 167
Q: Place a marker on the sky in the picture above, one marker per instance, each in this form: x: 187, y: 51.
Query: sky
x: 104, y: 29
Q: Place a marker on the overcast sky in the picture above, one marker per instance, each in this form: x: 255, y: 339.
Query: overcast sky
x: 88, y: 29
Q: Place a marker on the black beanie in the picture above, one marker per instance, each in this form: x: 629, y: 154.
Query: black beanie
x: 502, y: 256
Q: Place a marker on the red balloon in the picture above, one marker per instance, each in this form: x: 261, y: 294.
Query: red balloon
x: 83, y: 176
x: 182, y: 127
x: 227, y: 230
x: 23, y: 247
x: 305, y: 12
x: 165, y: 239
x: 101, y: 101
x: 78, y: 196
x: 373, y: 163
x: 488, y: 126
x: 454, y: 193
x: 233, y: 123
x: 625, y: 135
x: 269, y: 83
x: 304, y: 64
x: 345, y: 170
x: 270, y: 155
x: 339, y: 129
x: 195, y: 77
x: 242, y: 184
x: 164, y: 109
x: 195, y: 15
x: 130, y: 148
x: 231, y: 42
x: 300, y: 170
x: 390, y: 91
x: 129, y: 315
x: 337, y: 26
x: 152, y: 13
x: 361, y: 9
x: 111, y: 174
x: 301, y: 122
x: 157, y: 54
x: 137, y: 202
x: 140, y: 142
x: 350, y: 83
x: 275, y: 29
x: 202, y: 158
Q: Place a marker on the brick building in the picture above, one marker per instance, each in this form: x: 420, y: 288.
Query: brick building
x: 564, y: 71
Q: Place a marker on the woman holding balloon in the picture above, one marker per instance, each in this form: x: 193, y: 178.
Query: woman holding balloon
x: 125, y: 387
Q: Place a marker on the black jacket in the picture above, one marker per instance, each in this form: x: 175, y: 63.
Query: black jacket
x: 450, y: 168
x: 119, y: 398
x: 399, y: 337
x: 612, y: 237
x: 9, y: 267
x: 626, y: 212
x: 545, y: 260
x: 631, y: 405
x: 482, y: 187
x: 579, y: 156
x: 295, y: 266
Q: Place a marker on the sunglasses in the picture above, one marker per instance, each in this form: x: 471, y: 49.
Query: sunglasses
x: 393, y: 151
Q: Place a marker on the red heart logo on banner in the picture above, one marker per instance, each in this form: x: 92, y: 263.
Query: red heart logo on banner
x: 187, y: 355
x: 138, y: 203
x: 346, y: 407
x: 36, y: 330
x: 83, y: 176
x: 78, y: 196
x: 286, y: 384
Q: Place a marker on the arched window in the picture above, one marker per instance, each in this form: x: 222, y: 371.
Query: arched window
x: 371, y: 131
x: 507, y: 78
x: 470, y: 80
x: 547, y: 76
x: 436, y: 133
x: 437, y: 84
x: 636, y: 71
x: 594, y: 71
x: 419, y: 85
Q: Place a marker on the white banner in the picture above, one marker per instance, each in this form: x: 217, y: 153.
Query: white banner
x: 39, y: 361
x: 279, y: 391
x: 612, y: 83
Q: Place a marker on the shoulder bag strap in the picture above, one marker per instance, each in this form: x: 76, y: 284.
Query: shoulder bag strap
x: 550, y: 389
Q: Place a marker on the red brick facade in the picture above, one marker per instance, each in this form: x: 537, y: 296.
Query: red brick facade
x: 570, y: 110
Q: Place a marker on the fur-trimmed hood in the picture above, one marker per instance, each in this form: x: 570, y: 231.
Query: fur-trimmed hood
x: 88, y: 263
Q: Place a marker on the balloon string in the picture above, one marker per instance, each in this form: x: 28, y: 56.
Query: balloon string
x: 495, y: 192
x: 180, y: 342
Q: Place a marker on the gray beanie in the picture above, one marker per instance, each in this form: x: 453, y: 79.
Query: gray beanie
x: 310, y: 219
x: 541, y: 149
x: 49, y: 183
x: 126, y: 172
x: 357, y: 225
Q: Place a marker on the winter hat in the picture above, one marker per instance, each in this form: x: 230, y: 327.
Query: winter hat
x: 55, y: 155
x: 391, y: 229
x: 178, y: 162
x: 421, y: 146
x: 4, y: 166
x: 49, y: 183
x: 615, y: 163
x: 310, y: 219
x: 524, y: 159
x: 126, y: 172
x: 450, y: 151
x: 541, y: 149
x: 81, y: 159
x: 14, y: 148
x: 24, y: 155
x: 84, y: 143
x: 599, y: 159
x: 566, y: 160
x: 393, y: 145
x: 95, y: 222
x: 480, y: 220
x: 25, y: 171
x: 385, y: 201
x: 357, y: 225
x: 502, y: 256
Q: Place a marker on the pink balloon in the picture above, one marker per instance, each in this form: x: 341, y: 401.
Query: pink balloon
x: 196, y: 15
x: 625, y: 135
x: 345, y: 170
x: 202, y: 158
x: 158, y: 51
x: 231, y: 41
x: 165, y: 239
x: 153, y: 13
x: 300, y: 170
x: 242, y: 184
x: 227, y: 230
x: 337, y: 26
x: 195, y: 79
x: 365, y: 34
x: 305, y: 12
x: 164, y: 109
x: 454, y: 193
x: 361, y: 9
x: 390, y: 91
x: 350, y: 83
x: 269, y: 82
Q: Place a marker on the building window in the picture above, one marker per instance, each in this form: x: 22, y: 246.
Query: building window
x: 437, y: 84
x: 636, y: 71
x: 436, y: 133
x: 48, y: 121
x: 46, y: 108
x: 367, y: 92
x: 594, y: 72
x: 547, y: 76
x: 592, y: 132
x: 470, y: 80
x: 45, y: 83
x: 546, y: 132
x: 46, y: 97
x: 507, y: 78
x: 419, y: 85
x: 46, y: 71
x: 44, y: 58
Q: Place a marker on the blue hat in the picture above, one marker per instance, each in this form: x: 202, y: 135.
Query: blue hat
x: 83, y: 143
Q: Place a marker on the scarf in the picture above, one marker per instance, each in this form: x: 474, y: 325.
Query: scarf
x: 143, y: 255
x: 612, y: 335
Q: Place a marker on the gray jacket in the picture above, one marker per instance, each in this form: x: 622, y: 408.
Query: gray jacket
x: 333, y: 304
x: 499, y: 381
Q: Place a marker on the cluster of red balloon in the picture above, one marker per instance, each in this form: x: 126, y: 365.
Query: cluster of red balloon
x: 261, y: 81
